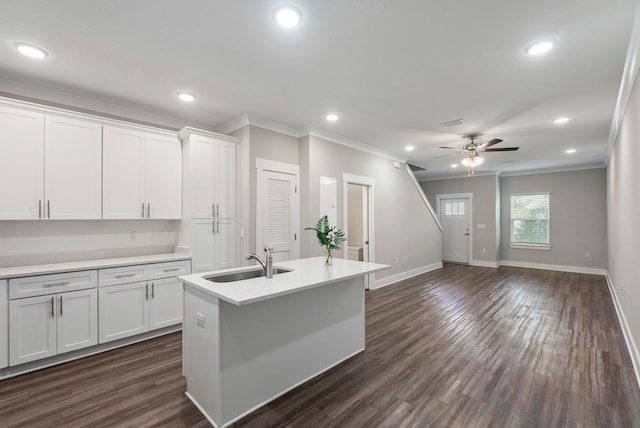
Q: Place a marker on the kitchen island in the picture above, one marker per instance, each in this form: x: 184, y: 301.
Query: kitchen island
x: 247, y: 342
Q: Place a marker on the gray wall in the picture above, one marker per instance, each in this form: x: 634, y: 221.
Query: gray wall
x: 485, y: 210
x: 578, y: 217
x: 260, y: 144
x: 623, y: 209
x: 404, y: 229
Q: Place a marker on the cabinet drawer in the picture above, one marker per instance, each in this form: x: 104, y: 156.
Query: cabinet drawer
x: 122, y: 275
x: 49, y: 284
x: 169, y: 269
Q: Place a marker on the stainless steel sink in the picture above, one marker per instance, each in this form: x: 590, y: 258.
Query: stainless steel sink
x: 242, y: 275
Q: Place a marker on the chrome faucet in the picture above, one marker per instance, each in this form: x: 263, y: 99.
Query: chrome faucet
x: 267, y: 265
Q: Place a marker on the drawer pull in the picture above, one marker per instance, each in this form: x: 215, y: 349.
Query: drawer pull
x: 52, y: 309
x: 60, y: 305
x: 125, y: 275
x: 171, y: 269
x: 57, y: 284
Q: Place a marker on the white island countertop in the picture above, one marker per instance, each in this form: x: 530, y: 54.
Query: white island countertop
x: 305, y: 274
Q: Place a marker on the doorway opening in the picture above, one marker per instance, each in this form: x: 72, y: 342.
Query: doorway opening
x: 358, y: 219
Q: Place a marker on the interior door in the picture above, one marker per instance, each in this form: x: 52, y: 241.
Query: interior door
x: 277, y: 214
x: 454, y: 216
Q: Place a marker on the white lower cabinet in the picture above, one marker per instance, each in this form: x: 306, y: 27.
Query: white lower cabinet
x: 4, y: 323
x: 48, y: 325
x: 124, y: 311
x: 138, y: 307
x: 214, y: 244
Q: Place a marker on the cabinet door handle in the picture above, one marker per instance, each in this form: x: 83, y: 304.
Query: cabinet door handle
x: 217, y: 210
x: 213, y: 226
x: 148, y: 209
x: 60, y: 305
x: 57, y: 284
x: 128, y: 275
x: 213, y: 210
x: 142, y: 213
x: 217, y: 226
x: 153, y: 291
x: 48, y: 208
x: 146, y: 291
x: 52, y: 310
x: 39, y: 208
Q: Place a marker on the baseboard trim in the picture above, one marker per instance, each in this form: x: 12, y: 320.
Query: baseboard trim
x: 483, y: 263
x: 560, y: 268
x: 383, y: 282
x: 626, y: 331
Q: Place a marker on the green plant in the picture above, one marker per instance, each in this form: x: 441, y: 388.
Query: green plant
x: 329, y: 237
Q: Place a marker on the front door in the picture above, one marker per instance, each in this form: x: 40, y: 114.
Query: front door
x: 454, y: 216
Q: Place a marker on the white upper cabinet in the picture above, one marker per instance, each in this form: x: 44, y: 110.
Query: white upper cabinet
x: 163, y: 177
x: 73, y: 168
x: 212, y: 177
x: 123, y: 186
x: 225, y: 179
x: 21, y: 164
x: 142, y: 175
x: 51, y: 166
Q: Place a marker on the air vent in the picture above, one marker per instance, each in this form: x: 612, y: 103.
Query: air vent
x: 452, y: 123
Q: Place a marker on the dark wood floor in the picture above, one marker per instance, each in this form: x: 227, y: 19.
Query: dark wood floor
x: 459, y: 347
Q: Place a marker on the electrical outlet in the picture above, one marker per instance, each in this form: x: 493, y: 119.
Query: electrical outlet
x: 404, y: 259
x: 132, y: 235
x: 396, y: 260
x: 200, y: 319
x: 587, y: 255
x: 484, y: 251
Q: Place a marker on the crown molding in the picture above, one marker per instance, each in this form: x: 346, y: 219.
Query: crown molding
x: 271, y: 125
x: 567, y: 168
x: 349, y: 142
x: 629, y: 76
x: 459, y: 175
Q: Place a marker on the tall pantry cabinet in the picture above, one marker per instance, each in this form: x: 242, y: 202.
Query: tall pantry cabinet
x: 210, y: 202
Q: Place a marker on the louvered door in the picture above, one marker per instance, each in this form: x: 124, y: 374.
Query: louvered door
x: 277, y: 222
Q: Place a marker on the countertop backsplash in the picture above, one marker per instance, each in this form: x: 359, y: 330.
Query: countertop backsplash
x: 24, y: 243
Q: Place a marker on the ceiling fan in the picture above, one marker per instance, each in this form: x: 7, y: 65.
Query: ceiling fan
x: 473, y: 149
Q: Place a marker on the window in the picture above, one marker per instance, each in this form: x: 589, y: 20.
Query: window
x: 530, y: 221
x: 454, y: 208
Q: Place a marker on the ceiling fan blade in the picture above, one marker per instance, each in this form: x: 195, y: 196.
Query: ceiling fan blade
x: 450, y: 148
x: 489, y: 143
x: 502, y: 149
x: 442, y: 156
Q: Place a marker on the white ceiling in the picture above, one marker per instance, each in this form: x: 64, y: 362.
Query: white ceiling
x: 394, y: 70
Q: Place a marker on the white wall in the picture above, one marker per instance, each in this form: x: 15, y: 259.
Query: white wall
x: 623, y: 212
x: 53, y: 241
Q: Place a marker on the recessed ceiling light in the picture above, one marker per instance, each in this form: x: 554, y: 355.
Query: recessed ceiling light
x: 31, y: 51
x: 561, y: 120
x: 186, y: 97
x: 454, y: 165
x: 332, y: 117
x: 570, y: 151
x: 287, y: 15
x: 409, y: 148
x: 541, y: 47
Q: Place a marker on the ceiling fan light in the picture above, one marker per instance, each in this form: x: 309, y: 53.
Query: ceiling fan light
x: 472, y: 161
